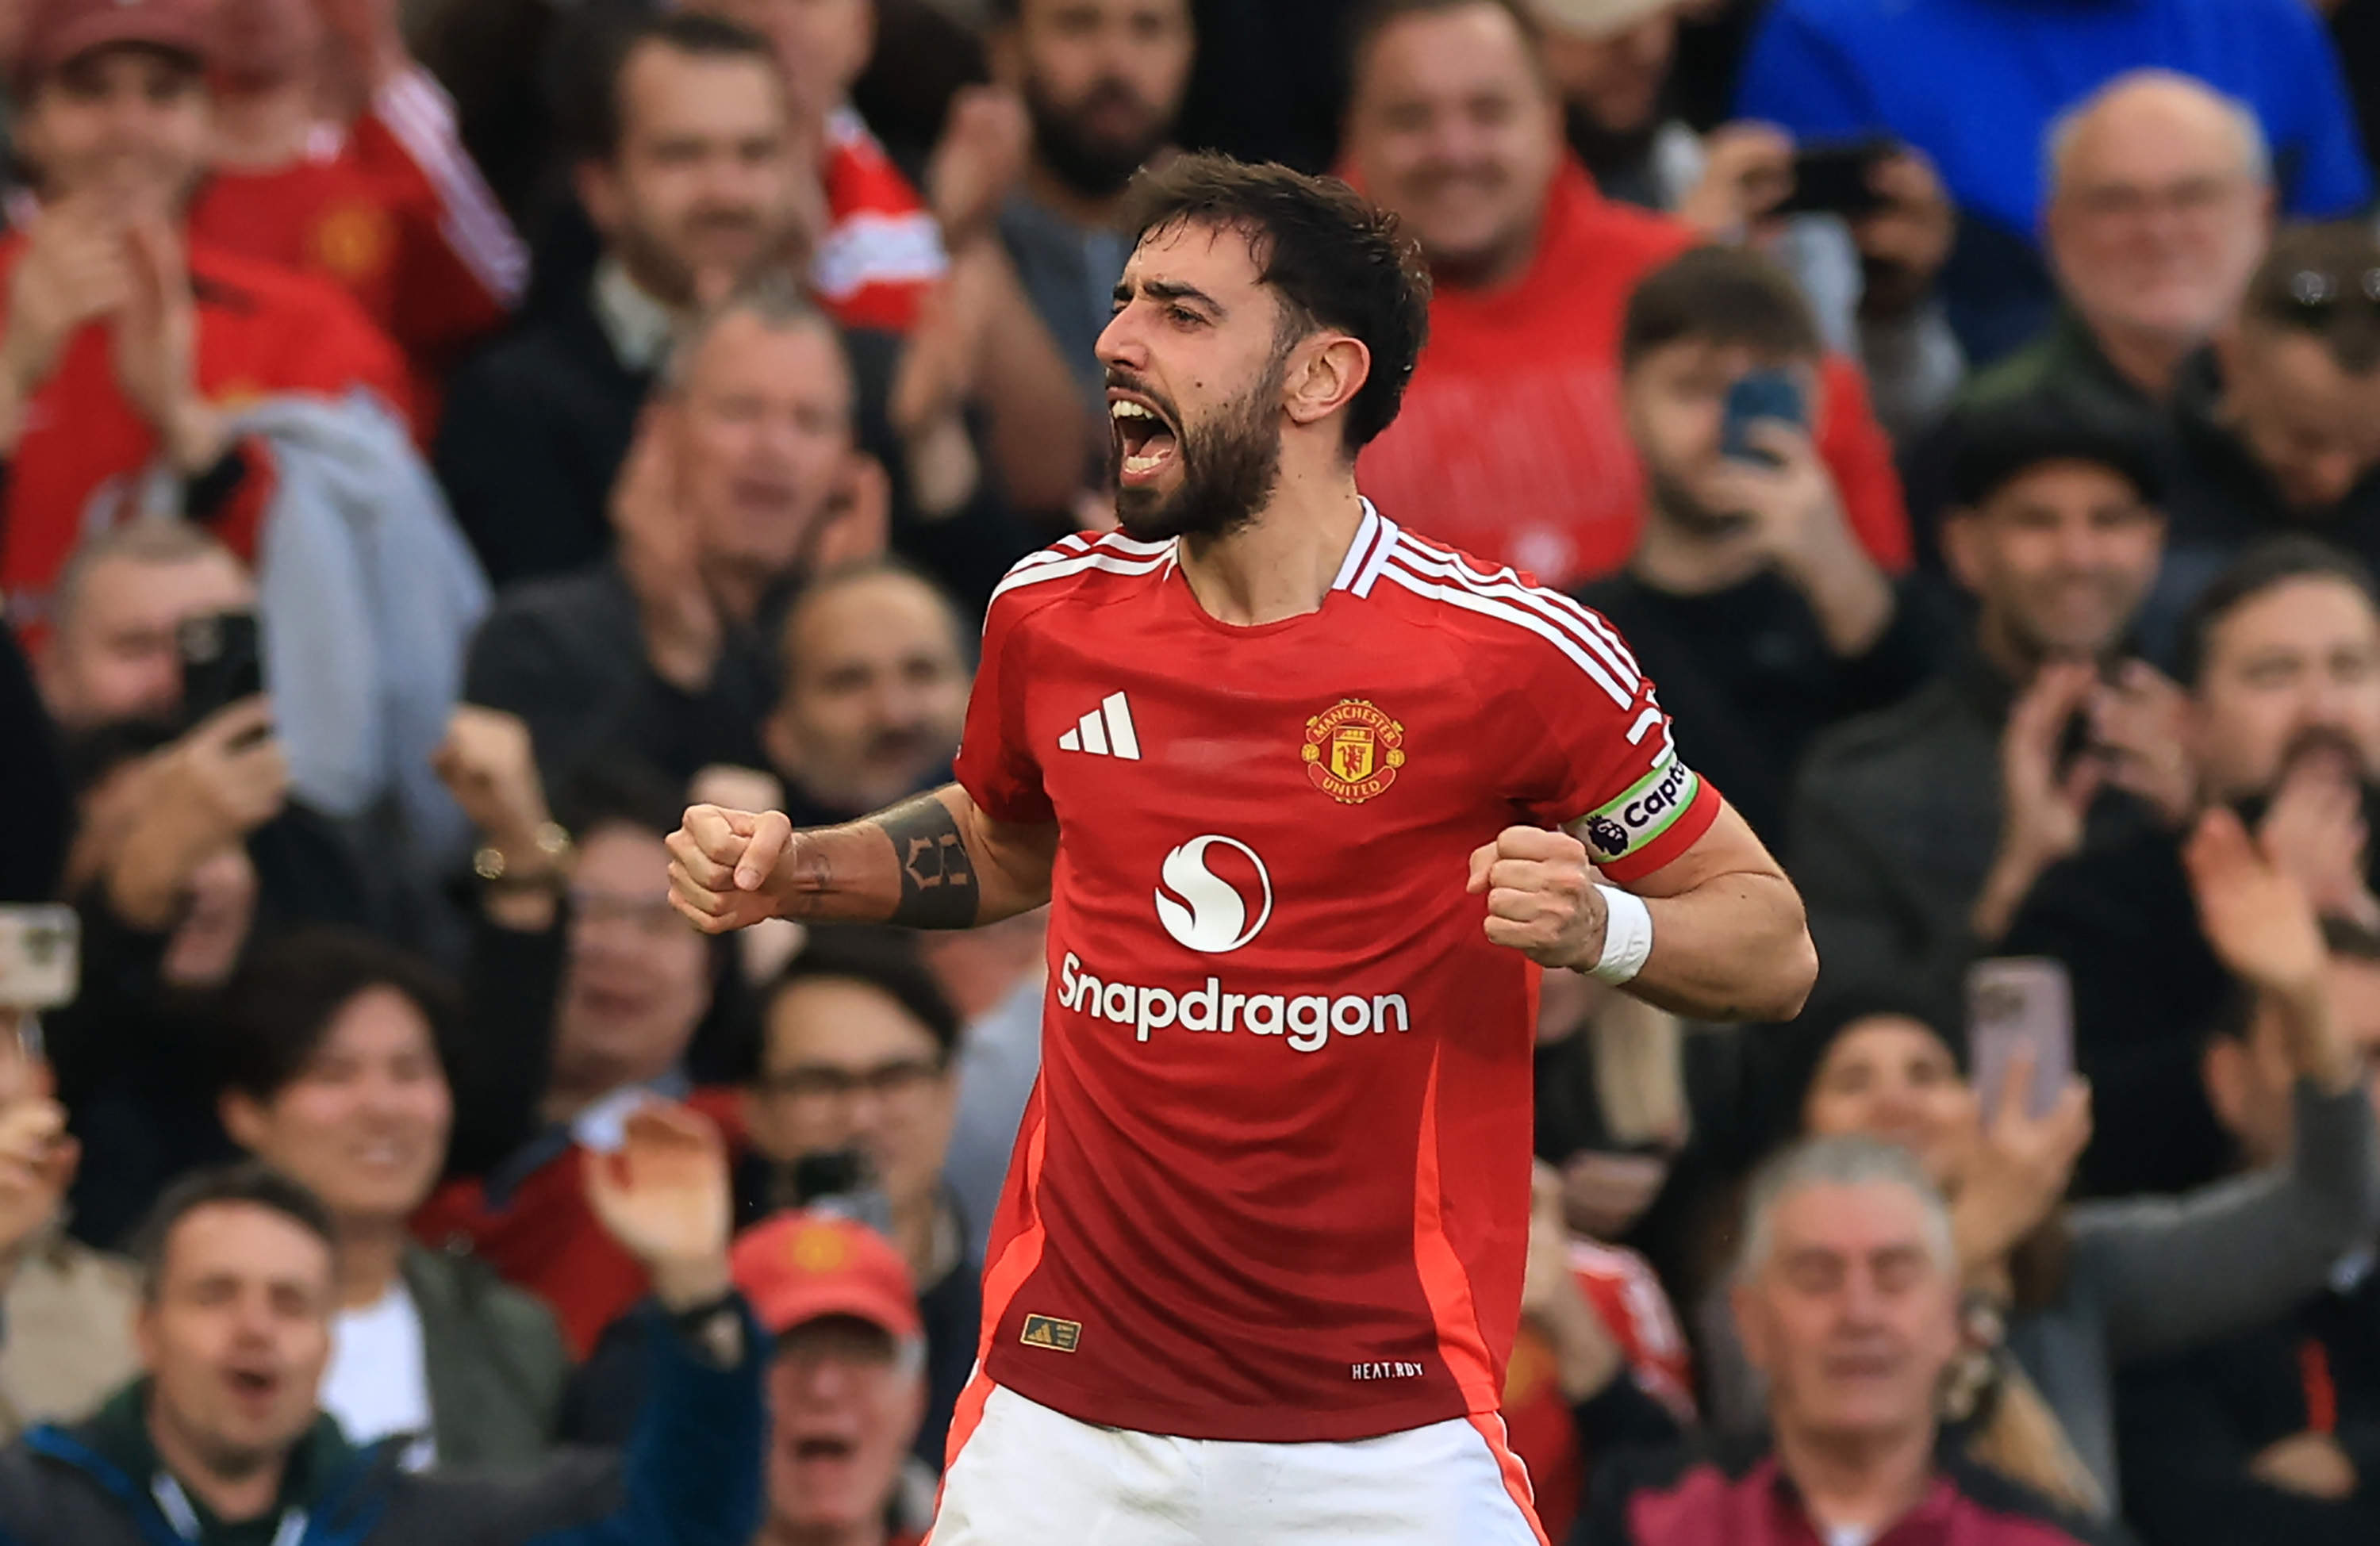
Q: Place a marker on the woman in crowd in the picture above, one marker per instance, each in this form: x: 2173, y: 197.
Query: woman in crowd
x: 334, y: 1076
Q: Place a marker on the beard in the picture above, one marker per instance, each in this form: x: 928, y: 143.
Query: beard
x: 1230, y: 465
x: 1677, y: 502
x: 1095, y: 165
x: 2316, y: 740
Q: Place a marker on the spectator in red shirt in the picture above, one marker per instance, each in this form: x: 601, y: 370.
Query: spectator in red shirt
x: 127, y: 343
x: 386, y: 205
x: 846, y: 1388
x: 1847, y: 1299
x: 1511, y: 444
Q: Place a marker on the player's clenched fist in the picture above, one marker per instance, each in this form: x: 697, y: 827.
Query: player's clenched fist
x: 1541, y: 896
x: 729, y: 869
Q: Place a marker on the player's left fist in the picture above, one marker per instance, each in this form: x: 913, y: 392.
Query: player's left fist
x: 1541, y: 896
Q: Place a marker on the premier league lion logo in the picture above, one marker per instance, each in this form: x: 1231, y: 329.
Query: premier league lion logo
x: 1609, y: 838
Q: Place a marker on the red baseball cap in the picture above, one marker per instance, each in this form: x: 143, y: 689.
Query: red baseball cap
x: 795, y: 1267
x: 58, y: 30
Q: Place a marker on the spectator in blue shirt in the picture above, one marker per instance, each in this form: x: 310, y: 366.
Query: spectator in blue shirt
x: 1842, y: 68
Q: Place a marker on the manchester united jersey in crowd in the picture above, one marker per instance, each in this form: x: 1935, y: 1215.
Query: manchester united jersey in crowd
x: 1274, y: 1183
x: 393, y: 213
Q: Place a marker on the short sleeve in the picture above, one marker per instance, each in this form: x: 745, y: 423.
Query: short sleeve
x: 1600, y: 760
x: 995, y: 763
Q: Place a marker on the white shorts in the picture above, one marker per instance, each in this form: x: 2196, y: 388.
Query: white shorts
x: 1027, y: 1476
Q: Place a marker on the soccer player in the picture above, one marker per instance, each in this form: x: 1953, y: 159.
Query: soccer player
x: 1309, y: 796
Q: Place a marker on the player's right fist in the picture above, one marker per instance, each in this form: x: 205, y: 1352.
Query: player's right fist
x: 1541, y: 897
x: 730, y: 869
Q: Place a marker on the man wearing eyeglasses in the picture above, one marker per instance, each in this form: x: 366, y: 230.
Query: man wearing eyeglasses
x: 849, y: 1104
x: 2275, y: 425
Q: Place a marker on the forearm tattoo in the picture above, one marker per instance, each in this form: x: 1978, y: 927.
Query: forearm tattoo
x: 938, y: 883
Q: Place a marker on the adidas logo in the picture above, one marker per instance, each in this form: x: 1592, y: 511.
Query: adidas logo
x: 1105, y: 732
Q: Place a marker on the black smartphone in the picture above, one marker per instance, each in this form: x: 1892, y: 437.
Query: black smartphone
x: 222, y: 662
x: 1758, y: 395
x: 1831, y: 177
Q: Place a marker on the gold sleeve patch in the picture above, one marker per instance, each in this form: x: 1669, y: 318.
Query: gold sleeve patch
x: 1047, y: 1331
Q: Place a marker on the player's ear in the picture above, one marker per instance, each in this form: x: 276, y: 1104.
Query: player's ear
x: 1325, y: 373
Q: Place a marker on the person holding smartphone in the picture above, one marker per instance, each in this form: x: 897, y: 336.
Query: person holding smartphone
x: 2061, y: 1297
x: 1748, y: 594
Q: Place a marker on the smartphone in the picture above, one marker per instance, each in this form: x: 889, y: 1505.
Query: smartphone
x: 1831, y: 177
x: 2020, y: 1003
x: 1758, y: 395
x: 40, y: 956
x: 222, y: 662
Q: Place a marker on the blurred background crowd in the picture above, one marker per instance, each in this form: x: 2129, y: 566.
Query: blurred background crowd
x: 440, y: 439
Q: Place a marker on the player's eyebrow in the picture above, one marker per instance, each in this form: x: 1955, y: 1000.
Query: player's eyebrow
x: 1167, y: 290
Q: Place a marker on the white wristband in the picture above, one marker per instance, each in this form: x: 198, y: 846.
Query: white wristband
x: 1627, y: 936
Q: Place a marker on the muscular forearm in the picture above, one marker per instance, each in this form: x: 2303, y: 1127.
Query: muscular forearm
x: 933, y: 862
x: 1735, y: 947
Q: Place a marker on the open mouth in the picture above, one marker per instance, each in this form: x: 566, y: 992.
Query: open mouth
x: 254, y: 1385
x: 820, y: 1447
x: 1146, y: 439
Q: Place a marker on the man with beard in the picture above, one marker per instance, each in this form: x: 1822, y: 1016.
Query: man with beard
x: 690, y: 175
x: 1748, y: 597
x: 1103, y: 81
x: 2281, y: 659
x: 1312, y: 795
x: 1917, y: 831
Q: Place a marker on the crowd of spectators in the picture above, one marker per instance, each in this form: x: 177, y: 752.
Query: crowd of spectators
x: 439, y: 439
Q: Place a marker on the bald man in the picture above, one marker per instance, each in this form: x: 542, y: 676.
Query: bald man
x: 2160, y: 204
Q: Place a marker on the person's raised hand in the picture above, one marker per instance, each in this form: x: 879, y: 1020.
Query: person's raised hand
x: 219, y: 912
x: 233, y: 766
x: 1796, y: 516
x: 74, y: 270
x: 2137, y: 730
x: 1541, y: 894
x: 664, y: 1197
x: 858, y: 520
x: 157, y: 350
x: 2259, y: 918
x: 730, y: 869
x: 986, y: 143
x: 1905, y: 241
x: 489, y: 764
x: 2314, y: 1465
x: 682, y: 628
x: 204, y: 793
x: 2043, y: 806
x: 2022, y: 1165
x: 2314, y: 831
x: 1747, y: 172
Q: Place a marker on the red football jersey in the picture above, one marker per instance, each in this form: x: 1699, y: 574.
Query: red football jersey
x: 395, y: 212
x: 884, y: 251
x: 1273, y: 1184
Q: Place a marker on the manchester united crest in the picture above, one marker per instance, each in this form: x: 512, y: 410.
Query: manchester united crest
x: 1353, y: 751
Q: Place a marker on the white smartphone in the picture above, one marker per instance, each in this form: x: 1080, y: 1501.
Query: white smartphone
x: 41, y: 956
x: 2020, y: 1002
